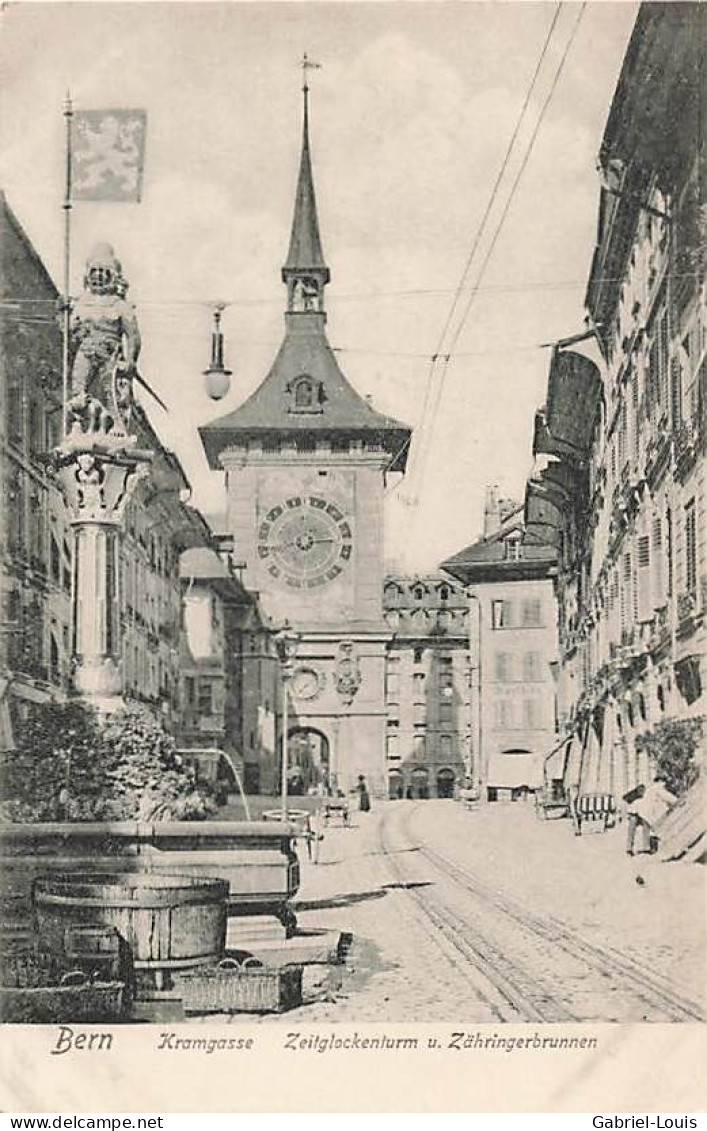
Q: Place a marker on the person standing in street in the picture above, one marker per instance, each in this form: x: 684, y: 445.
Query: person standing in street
x: 646, y: 809
x: 364, y: 798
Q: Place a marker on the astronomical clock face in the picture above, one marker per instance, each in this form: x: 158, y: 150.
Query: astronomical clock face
x: 305, y: 541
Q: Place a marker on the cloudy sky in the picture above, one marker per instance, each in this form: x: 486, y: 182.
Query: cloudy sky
x: 411, y: 115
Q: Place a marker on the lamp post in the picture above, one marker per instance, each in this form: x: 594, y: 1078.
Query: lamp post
x: 286, y: 642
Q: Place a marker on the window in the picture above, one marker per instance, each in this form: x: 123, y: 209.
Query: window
x: 690, y: 548
x: 657, y: 391
x: 392, y: 682
x: 419, y: 746
x: 418, y: 655
x: 504, y: 714
x: 532, y: 667
x: 503, y: 667
x: 644, y: 604
x: 54, y: 559
x: 530, y: 713
x: 501, y: 614
x: 444, y: 593
x: 393, y: 737
x: 418, y: 592
x: 418, y: 686
x: 513, y: 549
x: 205, y: 702
x: 305, y: 395
x: 36, y: 427
x: 14, y: 414
x: 445, y: 747
x: 669, y: 549
x: 626, y: 592
x: 419, y: 713
x: 657, y: 579
x: 531, y: 613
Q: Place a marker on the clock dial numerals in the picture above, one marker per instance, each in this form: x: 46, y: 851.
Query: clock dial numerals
x: 306, y: 541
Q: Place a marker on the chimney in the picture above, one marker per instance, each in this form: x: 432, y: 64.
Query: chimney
x: 492, y: 516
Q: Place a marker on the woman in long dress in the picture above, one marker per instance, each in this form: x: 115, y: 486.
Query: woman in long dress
x: 364, y: 798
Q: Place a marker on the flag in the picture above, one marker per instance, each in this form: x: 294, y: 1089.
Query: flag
x: 108, y: 154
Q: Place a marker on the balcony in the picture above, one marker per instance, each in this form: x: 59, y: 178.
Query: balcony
x: 686, y: 446
x: 687, y: 608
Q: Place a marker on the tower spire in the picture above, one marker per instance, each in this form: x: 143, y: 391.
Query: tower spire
x: 305, y: 271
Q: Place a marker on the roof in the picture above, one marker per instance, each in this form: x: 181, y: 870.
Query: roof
x: 337, y: 411
x: 10, y: 278
x: 202, y: 564
x: 268, y: 411
x: 305, y: 241
x: 486, y: 560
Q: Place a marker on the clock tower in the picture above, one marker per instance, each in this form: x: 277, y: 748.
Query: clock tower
x: 305, y: 459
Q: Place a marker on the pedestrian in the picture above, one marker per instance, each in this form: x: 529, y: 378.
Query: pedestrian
x: 364, y: 798
x: 647, y: 807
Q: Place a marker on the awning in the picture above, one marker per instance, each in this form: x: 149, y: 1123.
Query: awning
x: 513, y: 771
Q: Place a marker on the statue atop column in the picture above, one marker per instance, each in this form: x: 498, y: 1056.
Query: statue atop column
x: 104, y: 348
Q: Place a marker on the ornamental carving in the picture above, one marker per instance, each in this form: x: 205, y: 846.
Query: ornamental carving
x: 347, y: 675
x: 97, y: 484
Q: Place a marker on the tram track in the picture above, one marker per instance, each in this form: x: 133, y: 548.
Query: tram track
x: 493, y: 978
x: 652, y: 989
x: 516, y: 951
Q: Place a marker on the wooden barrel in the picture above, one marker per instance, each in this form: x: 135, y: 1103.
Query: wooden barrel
x: 169, y: 922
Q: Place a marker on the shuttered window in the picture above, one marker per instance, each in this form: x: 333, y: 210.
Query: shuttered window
x: 657, y: 572
x: 626, y: 594
x: 691, y: 547
x: 643, y: 579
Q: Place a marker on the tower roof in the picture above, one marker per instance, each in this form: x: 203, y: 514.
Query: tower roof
x: 339, y: 411
x: 305, y: 251
x: 305, y: 394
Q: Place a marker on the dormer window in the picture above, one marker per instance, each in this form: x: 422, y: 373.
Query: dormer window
x: 513, y: 548
x: 306, y: 394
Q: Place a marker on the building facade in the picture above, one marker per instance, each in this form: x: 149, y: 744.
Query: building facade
x: 305, y: 458
x: 513, y: 649
x: 622, y: 492
x: 231, y: 685
x: 35, y: 539
x: 427, y: 686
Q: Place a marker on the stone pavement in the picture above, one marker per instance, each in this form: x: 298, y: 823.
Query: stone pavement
x: 397, y: 971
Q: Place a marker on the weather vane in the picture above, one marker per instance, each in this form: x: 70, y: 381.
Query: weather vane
x: 308, y: 65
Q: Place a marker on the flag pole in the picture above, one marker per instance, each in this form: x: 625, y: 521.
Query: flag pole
x: 68, y: 115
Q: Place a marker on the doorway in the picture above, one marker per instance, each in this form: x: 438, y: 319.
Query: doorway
x: 308, y: 760
x: 445, y: 783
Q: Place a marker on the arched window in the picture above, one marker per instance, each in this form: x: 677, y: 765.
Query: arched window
x: 306, y: 394
x: 418, y: 592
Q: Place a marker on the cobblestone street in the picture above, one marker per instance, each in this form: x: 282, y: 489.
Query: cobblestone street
x: 493, y: 915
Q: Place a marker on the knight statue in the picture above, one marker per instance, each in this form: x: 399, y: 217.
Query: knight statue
x: 104, y: 346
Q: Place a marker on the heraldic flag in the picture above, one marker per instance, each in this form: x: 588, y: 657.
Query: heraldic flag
x: 108, y: 154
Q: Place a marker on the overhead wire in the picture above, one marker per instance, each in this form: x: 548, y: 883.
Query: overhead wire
x: 419, y: 469
x: 477, y: 238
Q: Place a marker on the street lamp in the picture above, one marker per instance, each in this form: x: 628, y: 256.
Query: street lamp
x: 286, y: 642
x: 218, y: 377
